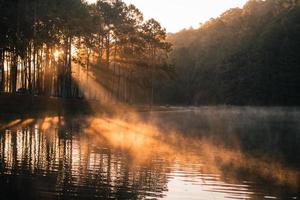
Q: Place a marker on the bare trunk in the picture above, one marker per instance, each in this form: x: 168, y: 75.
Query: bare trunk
x: 14, y: 72
x: 2, y: 77
x: 47, y: 75
x: 108, y: 50
x: 119, y: 81
x: 8, y: 61
x: 87, y: 75
x: 69, y: 74
x: 114, y: 75
x: 29, y: 69
x: 34, y: 71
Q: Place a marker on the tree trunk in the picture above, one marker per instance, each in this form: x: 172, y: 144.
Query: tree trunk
x: 14, y: 72
x: 8, y: 61
x: 119, y: 81
x: 107, y: 50
x: 69, y: 74
x: 29, y: 69
x: 88, y: 94
x: 47, y: 75
x: 34, y: 71
x: 2, y: 77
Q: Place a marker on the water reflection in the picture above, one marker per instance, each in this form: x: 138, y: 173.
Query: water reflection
x: 114, y: 158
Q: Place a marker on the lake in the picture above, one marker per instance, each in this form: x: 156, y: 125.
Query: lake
x: 188, y: 153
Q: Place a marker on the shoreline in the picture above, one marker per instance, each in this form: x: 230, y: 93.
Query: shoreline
x: 17, y: 105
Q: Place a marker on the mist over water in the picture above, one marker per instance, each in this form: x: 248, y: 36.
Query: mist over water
x: 188, y: 153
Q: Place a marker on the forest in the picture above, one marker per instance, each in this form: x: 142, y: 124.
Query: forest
x: 99, y: 101
x: 108, y: 52
x: 247, y: 56
x: 72, y: 49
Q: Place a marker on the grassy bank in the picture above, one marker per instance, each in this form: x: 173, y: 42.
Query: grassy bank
x: 15, y: 104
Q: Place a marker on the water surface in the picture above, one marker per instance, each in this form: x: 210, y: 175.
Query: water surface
x: 200, y: 153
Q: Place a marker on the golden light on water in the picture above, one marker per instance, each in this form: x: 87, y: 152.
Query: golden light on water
x: 115, y: 152
x: 49, y: 122
x: 107, y: 142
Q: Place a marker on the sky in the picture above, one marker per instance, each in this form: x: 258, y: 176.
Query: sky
x: 176, y: 15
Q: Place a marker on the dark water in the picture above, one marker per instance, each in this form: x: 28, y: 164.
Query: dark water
x: 206, y: 153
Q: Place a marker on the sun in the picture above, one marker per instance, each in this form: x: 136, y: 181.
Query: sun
x: 57, y: 54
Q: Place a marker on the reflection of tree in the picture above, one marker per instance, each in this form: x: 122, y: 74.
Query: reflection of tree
x: 111, y: 158
x: 69, y: 167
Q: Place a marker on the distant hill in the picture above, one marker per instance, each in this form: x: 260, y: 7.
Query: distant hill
x: 247, y: 56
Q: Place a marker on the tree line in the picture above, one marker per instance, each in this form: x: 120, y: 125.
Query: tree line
x: 247, y: 56
x: 69, y: 48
